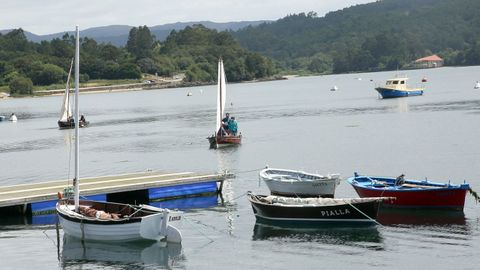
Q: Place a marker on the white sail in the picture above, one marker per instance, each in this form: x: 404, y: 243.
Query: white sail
x: 221, y: 94
x: 66, y: 110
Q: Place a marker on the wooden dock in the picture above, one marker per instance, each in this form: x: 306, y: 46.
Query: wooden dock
x: 25, y: 194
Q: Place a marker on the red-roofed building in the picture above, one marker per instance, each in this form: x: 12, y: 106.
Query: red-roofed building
x: 429, y: 62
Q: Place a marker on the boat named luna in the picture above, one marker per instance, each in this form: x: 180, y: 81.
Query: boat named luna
x: 108, y: 221
x: 397, y: 87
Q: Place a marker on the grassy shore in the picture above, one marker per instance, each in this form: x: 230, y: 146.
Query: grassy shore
x: 102, y: 86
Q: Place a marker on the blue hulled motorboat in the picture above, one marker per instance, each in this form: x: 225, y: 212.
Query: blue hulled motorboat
x: 397, y: 87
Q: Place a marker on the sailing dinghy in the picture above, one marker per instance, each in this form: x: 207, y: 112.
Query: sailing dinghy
x: 219, y: 139
x: 66, y: 117
x: 106, y: 221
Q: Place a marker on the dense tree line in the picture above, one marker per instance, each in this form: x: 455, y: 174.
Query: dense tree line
x: 383, y: 35
x: 193, y: 51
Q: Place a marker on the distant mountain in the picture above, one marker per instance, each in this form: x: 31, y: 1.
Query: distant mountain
x: 118, y: 34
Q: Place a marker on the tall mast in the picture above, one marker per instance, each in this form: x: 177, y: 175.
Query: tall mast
x: 77, y: 122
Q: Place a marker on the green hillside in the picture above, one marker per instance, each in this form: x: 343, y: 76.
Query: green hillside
x: 195, y: 50
x: 381, y: 35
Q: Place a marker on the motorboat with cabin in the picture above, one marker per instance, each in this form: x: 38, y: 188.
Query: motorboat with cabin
x: 397, y: 87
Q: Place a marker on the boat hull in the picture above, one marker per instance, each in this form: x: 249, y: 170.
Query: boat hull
x: 434, y: 196
x: 299, y: 184
x: 224, y: 141
x: 393, y: 93
x: 154, y: 226
x: 70, y: 124
x: 344, y: 213
x: 101, y: 232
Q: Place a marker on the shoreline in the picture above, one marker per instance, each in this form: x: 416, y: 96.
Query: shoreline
x: 136, y: 87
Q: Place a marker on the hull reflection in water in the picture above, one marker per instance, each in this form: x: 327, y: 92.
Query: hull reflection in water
x: 353, y: 236
x: 397, y: 216
x: 76, y: 252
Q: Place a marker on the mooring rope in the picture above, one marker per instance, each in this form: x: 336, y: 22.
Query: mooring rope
x: 474, y: 194
x: 249, y: 171
x: 195, y: 227
x: 240, y: 196
x: 363, y: 213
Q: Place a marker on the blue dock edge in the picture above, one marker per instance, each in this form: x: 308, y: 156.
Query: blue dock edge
x: 42, y: 211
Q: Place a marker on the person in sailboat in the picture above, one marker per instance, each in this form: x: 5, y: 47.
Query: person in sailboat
x: 82, y: 119
x: 224, y: 128
x: 232, y: 126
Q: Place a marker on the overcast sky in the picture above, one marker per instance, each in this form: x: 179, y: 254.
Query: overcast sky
x: 51, y: 16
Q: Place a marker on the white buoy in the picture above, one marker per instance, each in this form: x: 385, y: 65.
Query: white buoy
x: 477, y: 85
x: 189, y: 94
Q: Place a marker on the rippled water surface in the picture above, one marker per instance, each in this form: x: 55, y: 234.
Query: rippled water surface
x: 298, y: 124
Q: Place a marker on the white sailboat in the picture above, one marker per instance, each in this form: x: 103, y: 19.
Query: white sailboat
x: 66, y: 116
x: 105, y: 221
x: 220, y: 139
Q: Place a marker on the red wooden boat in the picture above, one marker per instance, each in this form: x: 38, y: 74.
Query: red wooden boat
x: 411, y: 193
x: 220, y: 139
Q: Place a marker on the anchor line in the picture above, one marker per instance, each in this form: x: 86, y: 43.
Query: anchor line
x: 378, y: 223
x: 195, y: 227
x: 82, y: 228
x: 474, y: 194
x: 240, y: 196
x: 248, y: 171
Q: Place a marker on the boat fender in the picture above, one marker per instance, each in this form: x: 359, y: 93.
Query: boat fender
x: 59, y: 195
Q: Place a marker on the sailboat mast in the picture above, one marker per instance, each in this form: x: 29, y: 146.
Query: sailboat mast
x: 77, y: 122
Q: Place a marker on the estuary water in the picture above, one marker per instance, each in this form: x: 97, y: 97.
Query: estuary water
x: 298, y: 124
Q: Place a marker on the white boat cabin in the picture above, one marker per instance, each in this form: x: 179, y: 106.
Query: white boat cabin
x: 399, y: 83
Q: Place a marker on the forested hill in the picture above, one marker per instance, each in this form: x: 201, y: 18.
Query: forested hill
x: 381, y: 35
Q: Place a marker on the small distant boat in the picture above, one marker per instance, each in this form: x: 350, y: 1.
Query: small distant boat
x: 424, y: 79
x: 397, y: 87
x: 334, y: 88
x: 13, y: 118
x: 66, y: 117
x: 189, y: 94
x: 477, y: 85
x: 298, y: 183
x: 411, y: 193
x: 217, y: 139
x: 280, y: 209
x: 2, y: 118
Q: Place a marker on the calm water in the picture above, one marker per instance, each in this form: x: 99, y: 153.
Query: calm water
x: 298, y: 124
